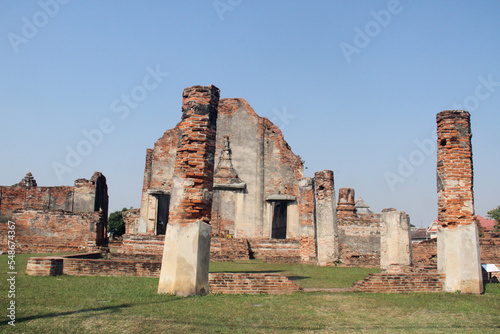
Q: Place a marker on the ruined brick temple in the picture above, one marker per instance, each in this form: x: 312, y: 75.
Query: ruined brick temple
x: 52, y: 219
x: 259, y: 198
x: 224, y: 185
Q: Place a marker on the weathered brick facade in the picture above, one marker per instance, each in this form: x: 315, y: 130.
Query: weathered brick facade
x: 51, y: 219
x: 259, y: 191
x: 41, y: 231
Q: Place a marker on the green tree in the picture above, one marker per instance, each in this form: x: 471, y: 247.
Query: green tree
x: 495, y: 214
x: 115, y: 222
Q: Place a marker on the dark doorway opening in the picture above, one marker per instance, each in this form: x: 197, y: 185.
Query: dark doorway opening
x: 279, y: 220
x: 162, y: 217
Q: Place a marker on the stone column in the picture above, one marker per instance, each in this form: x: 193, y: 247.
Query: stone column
x: 458, y: 241
x: 186, y: 252
x: 326, y: 218
x: 395, y: 240
x: 345, y: 207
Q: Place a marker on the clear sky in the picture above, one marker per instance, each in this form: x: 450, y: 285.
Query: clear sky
x: 355, y: 87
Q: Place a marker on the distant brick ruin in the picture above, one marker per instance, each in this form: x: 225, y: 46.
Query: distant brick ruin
x: 55, y: 219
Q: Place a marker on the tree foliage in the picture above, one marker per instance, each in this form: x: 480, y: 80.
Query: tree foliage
x: 495, y: 214
x: 115, y: 222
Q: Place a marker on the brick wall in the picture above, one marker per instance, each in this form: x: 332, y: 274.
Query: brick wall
x: 142, y: 244
x: 251, y: 283
x: 85, y: 196
x: 308, y: 249
x: 306, y: 201
x: 359, y: 240
x: 223, y: 249
x: 425, y: 253
x: 275, y: 250
x: 44, y: 266
x: 85, y: 265
x: 39, y: 231
x: 131, y: 220
x: 37, y: 198
x: 402, y: 279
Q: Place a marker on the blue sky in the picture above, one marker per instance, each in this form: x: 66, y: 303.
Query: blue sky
x: 354, y: 85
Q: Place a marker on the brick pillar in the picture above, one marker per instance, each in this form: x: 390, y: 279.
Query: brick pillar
x: 187, y: 240
x: 345, y: 207
x: 306, y: 214
x: 458, y: 242
x: 194, y: 163
x: 326, y: 218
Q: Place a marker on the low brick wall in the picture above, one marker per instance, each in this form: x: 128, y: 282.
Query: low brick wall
x: 251, y: 283
x: 224, y: 249
x: 402, y: 280
x: 89, y: 267
x: 142, y: 244
x: 425, y: 253
x: 44, y: 266
x: 227, y: 283
x: 134, y: 257
x: 90, y: 264
x: 275, y: 250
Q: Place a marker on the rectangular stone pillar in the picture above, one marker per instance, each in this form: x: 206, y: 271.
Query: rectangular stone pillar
x: 395, y: 240
x: 186, y: 257
x: 458, y: 243
x: 326, y: 218
x: 458, y: 257
x: 186, y: 254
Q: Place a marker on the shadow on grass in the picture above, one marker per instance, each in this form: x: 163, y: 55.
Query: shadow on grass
x: 298, y: 278
x: 95, y: 309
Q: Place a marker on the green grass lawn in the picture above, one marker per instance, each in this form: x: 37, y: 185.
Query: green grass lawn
x: 67, y: 304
